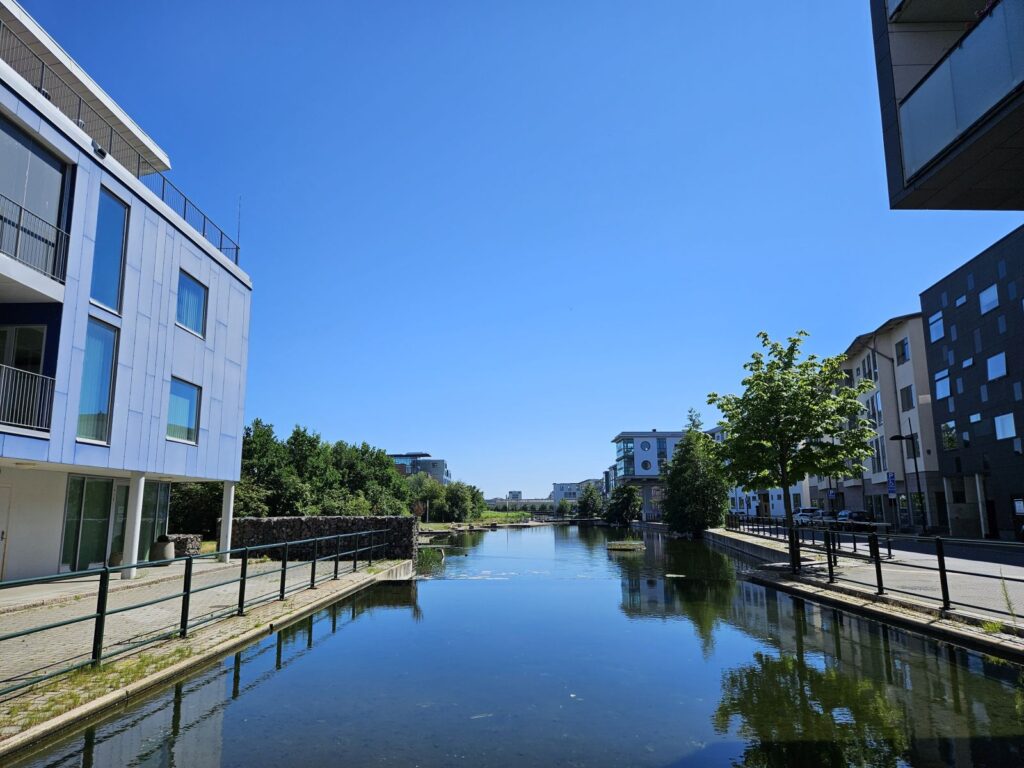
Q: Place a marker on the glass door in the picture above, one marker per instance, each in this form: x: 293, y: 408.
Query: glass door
x: 87, y: 523
x: 117, y: 522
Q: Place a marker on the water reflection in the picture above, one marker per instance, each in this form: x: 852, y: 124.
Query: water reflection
x: 183, y: 727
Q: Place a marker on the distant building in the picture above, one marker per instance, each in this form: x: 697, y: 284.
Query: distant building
x: 763, y: 502
x: 413, y: 463
x: 515, y: 495
x: 640, y: 460
x: 567, y: 491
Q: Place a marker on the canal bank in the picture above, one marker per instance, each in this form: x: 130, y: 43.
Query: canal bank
x: 65, y: 703
x: 992, y: 633
x: 539, y: 647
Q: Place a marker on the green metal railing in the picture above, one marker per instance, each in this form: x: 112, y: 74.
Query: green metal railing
x: 356, y: 546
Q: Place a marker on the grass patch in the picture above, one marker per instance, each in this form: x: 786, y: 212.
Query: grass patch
x: 207, y: 547
x: 992, y: 627
x: 630, y: 545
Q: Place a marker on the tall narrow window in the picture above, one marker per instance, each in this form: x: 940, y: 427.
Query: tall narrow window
x: 108, y: 258
x: 95, y: 404
x: 183, y: 412
x: 936, y: 330
x: 191, y: 304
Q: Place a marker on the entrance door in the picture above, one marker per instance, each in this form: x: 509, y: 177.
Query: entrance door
x: 5, y: 520
x: 117, y: 522
x: 87, y: 523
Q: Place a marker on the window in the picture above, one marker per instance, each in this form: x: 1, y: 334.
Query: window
x: 108, y: 257
x: 997, y: 366
x: 968, y: 362
x: 183, y: 412
x: 902, y: 351
x: 907, y: 398
x: 974, y: 418
x: 913, y: 447
x: 97, y: 396
x: 645, y: 446
x: 21, y: 347
x: 645, y: 465
x: 1005, y: 427
x: 942, y: 384
x: 988, y: 299
x: 935, y: 328
x: 191, y: 303
x: 948, y: 436
x: 663, y: 448
x: 961, y: 299
x: 32, y: 177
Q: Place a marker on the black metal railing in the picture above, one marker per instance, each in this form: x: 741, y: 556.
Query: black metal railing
x: 26, y: 398
x: 52, y: 86
x: 357, y: 547
x: 874, y: 543
x: 33, y: 241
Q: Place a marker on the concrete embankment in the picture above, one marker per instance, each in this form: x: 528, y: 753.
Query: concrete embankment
x: 987, y: 634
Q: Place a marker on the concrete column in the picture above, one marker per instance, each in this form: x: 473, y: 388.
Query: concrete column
x: 227, y: 514
x: 979, y: 484
x: 133, y: 524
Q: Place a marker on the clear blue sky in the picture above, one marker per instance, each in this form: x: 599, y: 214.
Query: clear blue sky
x: 501, y: 232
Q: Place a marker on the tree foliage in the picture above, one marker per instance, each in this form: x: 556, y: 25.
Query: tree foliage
x: 696, y: 483
x: 624, y: 506
x: 564, y: 508
x: 796, y: 416
x: 589, y: 504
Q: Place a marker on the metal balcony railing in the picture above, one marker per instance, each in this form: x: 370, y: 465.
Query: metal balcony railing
x: 26, y: 63
x: 32, y: 241
x: 26, y: 399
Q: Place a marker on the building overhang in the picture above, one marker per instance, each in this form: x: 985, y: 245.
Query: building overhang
x: 44, y: 46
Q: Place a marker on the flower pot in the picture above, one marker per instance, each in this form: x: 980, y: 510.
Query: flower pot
x: 161, y: 550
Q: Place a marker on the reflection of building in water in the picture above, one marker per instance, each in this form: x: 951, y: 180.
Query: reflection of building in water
x: 944, y: 694
x: 184, y: 726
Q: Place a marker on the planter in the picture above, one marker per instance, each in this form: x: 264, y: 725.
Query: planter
x: 161, y: 550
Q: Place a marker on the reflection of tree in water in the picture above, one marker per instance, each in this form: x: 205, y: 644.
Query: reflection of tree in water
x: 796, y: 715
x: 689, y: 580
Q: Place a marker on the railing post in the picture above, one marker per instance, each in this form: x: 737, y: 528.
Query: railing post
x: 242, y: 580
x: 284, y: 569
x: 794, y: 550
x: 337, y: 555
x: 940, y: 553
x: 828, y: 558
x: 888, y: 544
x: 312, y: 564
x: 101, y: 618
x: 186, y: 598
x: 17, y: 232
x: 370, y: 558
x: 876, y: 555
x: 355, y: 552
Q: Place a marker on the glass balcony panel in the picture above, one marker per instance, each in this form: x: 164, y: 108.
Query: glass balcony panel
x: 928, y: 120
x: 981, y: 70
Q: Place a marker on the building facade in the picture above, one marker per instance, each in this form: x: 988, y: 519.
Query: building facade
x: 975, y: 349
x: 640, y: 458
x: 124, y: 323
x: 899, y: 405
x: 413, y: 463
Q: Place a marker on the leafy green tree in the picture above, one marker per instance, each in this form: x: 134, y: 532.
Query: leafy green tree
x: 796, y: 416
x: 564, y: 508
x: 696, y: 483
x: 195, y: 508
x: 426, y: 495
x: 624, y: 506
x: 589, y: 504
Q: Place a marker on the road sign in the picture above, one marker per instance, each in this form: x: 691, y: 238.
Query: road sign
x: 890, y: 480
x: 831, y: 493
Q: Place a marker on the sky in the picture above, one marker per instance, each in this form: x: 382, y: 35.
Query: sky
x: 503, y: 232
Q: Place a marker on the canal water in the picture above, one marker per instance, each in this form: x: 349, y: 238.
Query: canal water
x: 540, y: 648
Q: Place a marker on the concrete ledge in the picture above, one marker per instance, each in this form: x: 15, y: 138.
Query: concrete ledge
x: 757, y: 548
x: 204, y: 657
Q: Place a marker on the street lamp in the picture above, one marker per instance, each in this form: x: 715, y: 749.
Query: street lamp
x: 912, y: 437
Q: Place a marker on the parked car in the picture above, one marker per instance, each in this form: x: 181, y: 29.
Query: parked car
x: 807, y: 515
x: 853, y: 519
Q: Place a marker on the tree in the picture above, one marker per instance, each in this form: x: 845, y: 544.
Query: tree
x: 796, y: 417
x: 696, y: 484
x: 624, y: 506
x: 564, y: 508
x: 589, y: 504
x: 426, y: 495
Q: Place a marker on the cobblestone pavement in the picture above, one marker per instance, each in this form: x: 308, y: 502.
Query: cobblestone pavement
x: 53, y: 649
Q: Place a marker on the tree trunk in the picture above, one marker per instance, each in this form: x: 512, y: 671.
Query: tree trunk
x: 787, y: 499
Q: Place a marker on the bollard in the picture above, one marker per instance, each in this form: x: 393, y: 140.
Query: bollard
x: 101, y: 618
x: 943, y: 582
x: 186, y: 597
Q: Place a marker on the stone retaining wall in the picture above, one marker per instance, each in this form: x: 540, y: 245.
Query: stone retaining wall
x: 254, y: 531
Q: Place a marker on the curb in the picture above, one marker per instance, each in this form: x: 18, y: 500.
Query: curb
x: 29, y: 737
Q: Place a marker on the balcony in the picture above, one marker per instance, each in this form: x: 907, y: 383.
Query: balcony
x: 970, y: 81
x: 36, y: 243
x: 26, y: 399
x: 106, y: 139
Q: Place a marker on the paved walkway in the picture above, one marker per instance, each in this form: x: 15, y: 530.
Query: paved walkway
x: 985, y: 589
x: 23, y: 658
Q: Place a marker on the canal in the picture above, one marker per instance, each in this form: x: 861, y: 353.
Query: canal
x: 538, y: 648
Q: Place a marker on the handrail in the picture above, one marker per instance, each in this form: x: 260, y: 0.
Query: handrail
x: 33, y: 241
x: 369, y: 543
x: 26, y: 398
x: 23, y: 60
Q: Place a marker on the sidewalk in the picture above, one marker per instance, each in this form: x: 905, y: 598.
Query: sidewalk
x: 48, y: 651
x: 980, y: 589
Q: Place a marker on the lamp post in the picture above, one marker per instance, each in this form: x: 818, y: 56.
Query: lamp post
x: 912, y: 437
x: 898, y: 436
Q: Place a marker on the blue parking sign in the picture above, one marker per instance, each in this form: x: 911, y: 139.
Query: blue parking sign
x: 890, y: 479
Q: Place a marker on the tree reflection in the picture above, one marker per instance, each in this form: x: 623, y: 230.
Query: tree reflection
x: 796, y: 715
